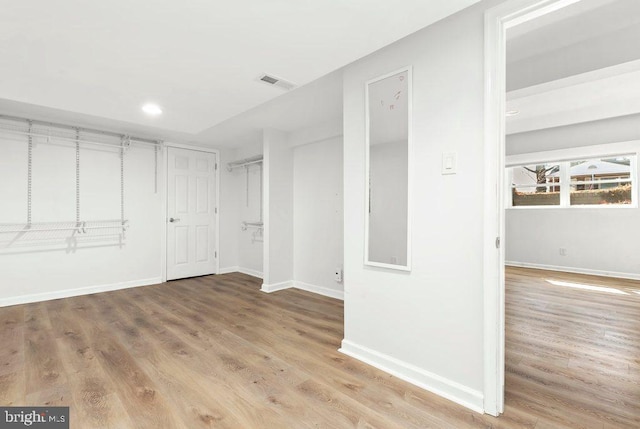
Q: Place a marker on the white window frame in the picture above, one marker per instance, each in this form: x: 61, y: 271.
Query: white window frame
x: 564, y: 157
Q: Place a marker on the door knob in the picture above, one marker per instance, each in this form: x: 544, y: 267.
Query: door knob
x: 174, y: 219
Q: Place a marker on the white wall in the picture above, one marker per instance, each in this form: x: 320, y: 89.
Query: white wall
x: 303, y: 215
x: 602, y: 51
x: 600, y: 241
x: 250, y: 254
x: 425, y: 326
x: 278, y: 210
x: 49, y: 268
x: 241, y: 250
x: 388, y: 203
x: 229, y: 213
x: 597, y: 240
x: 619, y: 129
x: 318, y: 216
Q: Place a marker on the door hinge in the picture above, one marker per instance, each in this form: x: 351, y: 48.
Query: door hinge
x: 216, y: 210
x: 497, y: 242
x: 216, y: 254
x: 216, y: 164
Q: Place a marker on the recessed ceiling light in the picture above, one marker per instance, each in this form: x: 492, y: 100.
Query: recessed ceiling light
x: 513, y: 112
x: 152, y: 109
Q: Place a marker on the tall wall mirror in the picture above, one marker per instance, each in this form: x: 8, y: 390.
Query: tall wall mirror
x: 388, y: 148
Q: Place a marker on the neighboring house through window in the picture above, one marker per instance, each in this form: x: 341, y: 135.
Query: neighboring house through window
x: 604, y: 181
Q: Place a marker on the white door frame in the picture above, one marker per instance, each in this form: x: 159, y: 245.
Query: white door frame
x: 163, y: 191
x: 497, y: 21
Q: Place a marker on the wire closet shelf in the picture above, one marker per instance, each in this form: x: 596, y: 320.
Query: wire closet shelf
x: 34, y: 133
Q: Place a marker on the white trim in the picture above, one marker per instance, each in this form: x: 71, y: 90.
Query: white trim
x: 434, y: 383
x: 291, y: 284
x: 389, y: 266
x: 578, y: 206
x: 216, y: 210
x: 497, y: 21
x: 250, y: 272
x: 228, y: 270
x: 68, y: 293
x: 163, y: 185
x: 596, y: 151
x: 266, y: 208
x: 193, y: 147
x: 576, y: 270
x: 276, y: 286
x: 563, y: 157
x: 494, y: 147
x: 517, y: 12
x: 320, y: 290
x: 574, y: 80
x: 237, y: 269
x: 409, y: 71
x: 565, y: 184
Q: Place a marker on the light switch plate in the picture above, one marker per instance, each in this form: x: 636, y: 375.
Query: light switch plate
x: 449, y: 163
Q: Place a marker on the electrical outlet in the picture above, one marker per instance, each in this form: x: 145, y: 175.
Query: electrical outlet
x: 338, y: 275
x: 563, y: 251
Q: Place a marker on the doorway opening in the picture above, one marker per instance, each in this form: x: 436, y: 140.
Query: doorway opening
x: 556, y: 110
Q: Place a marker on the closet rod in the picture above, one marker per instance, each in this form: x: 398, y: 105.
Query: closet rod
x: 244, y: 162
x: 140, y: 140
x: 245, y: 225
x: 122, y: 226
x: 74, y: 140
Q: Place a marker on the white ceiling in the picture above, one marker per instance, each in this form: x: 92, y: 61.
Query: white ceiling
x: 313, y: 104
x: 573, y: 24
x: 198, y: 59
x: 584, y: 60
x: 605, y: 93
x: 585, y: 36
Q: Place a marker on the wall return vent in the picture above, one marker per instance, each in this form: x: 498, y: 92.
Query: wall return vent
x: 271, y: 80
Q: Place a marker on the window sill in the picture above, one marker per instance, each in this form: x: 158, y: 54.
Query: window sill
x: 577, y: 207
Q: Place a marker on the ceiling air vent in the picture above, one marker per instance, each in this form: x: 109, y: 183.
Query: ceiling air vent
x: 275, y: 81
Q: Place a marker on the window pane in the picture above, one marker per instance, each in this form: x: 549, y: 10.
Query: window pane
x: 617, y: 195
x: 536, y: 185
x: 601, y: 181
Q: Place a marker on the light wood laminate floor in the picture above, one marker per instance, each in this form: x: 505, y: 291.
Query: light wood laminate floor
x: 215, y: 352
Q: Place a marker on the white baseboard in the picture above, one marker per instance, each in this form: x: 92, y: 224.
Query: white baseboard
x: 434, y: 383
x: 67, y: 293
x: 320, y: 290
x: 228, y: 270
x: 236, y: 269
x: 250, y: 272
x: 276, y: 286
x: 293, y: 284
x: 575, y: 270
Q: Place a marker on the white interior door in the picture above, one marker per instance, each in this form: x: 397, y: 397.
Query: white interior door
x: 191, y: 199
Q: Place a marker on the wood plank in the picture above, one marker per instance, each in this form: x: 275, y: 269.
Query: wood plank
x: 274, y: 383
x: 12, y: 365
x: 200, y: 391
x: 216, y: 352
x: 46, y: 381
x: 137, y: 391
x: 576, y: 347
x: 95, y: 403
